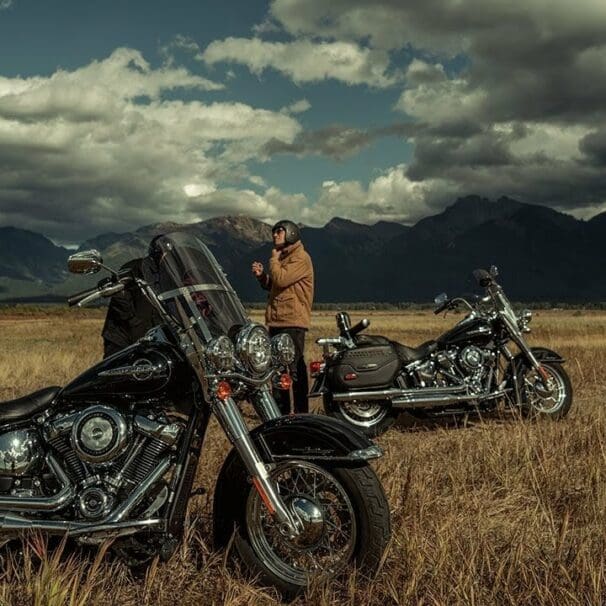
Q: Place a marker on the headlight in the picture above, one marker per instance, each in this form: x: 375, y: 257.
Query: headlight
x: 283, y: 349
x: 524, y: 319
x: 220, y: 353
x: 254, y: 348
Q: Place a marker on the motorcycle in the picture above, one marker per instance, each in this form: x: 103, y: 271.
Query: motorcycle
x: 113, y: 454
x: 366, y: 380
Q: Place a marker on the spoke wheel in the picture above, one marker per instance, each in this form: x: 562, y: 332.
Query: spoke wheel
x: 364, y: 414
x: 550, y: 396
x: 328, y: 539
x: 371, y: 417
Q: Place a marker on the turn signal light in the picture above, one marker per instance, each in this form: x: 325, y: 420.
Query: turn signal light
x: 223, y: 390
x: 285, y: 382
x: 315, y: 368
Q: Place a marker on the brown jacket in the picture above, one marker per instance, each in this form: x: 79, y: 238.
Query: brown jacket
x: 290, y: 282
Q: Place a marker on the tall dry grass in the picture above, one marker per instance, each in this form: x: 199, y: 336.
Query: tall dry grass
x: 494, y: 511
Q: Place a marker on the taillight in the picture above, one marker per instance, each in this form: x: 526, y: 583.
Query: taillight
x: 316, y: 367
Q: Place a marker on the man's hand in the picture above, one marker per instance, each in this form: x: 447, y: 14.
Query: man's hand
x: 275, y: 253
x: 257, y: 268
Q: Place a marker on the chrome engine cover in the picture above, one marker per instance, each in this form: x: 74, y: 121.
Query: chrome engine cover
x: 20, y: 452
x: 99, y: 434
x: 472, y: 358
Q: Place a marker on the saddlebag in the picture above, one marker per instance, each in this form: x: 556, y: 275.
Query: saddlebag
x: 363, y: 368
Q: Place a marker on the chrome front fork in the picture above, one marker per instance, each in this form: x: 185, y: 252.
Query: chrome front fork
x: 265, y: 405
x: 231, y: 420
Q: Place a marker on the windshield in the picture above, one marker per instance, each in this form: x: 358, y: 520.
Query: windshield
x: 192, y: 287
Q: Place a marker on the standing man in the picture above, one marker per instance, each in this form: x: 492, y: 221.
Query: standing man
x: 290, y: 282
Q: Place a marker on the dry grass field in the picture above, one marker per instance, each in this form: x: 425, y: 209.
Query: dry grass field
x: 494, y: 511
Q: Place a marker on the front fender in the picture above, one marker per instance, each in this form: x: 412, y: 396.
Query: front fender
x: 542, y: 354
x: 308, y: 437
x: 313, y: 438
x: 545, y: 355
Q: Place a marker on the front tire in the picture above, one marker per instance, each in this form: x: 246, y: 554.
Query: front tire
x: 348, y: 522
x: 552, y: 398
x: 372, y: 417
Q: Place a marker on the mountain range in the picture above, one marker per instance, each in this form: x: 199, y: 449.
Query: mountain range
x: 542, y: 255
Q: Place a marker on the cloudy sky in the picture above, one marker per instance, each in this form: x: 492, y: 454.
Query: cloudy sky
x: 115, y: 115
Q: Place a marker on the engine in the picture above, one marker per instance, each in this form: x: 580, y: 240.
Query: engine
x: 456, y: 366
x: 107, y: 454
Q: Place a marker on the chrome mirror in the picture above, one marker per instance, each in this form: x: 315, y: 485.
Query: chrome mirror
x: 85, y: 262
x: 494, y: 271
x: 441, y: 298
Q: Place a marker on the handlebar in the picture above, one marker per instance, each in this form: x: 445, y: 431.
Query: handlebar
x: 79, y: 297
x: 105, y: 288
x: 440, y: 308
x: 359, y: 327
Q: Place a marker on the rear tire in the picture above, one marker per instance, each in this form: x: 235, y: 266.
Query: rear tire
x: 372, y: 418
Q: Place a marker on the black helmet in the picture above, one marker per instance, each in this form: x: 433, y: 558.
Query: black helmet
x: 293, y: 234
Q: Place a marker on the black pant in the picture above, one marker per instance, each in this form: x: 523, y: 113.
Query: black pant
x: 298, y: 371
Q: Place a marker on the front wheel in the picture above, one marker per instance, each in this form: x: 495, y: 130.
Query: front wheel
x: 549, y: 395
x: 345, y: 519
x: 371, y: 417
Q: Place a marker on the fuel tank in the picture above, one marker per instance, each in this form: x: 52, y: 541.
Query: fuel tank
x: 151, y: 369
x: 473, y: 329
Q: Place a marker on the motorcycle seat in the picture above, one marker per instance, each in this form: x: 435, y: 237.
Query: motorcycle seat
x: 412, y: 354
x: 14, y: 410
x: 405, y: 353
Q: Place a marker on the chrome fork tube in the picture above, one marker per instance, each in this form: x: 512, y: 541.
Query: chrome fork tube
x: 265, y: 405
x: 231, y: 420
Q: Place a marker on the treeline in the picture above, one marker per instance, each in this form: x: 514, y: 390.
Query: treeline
x: 408, y: 305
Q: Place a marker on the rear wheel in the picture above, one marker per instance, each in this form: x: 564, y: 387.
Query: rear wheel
x: 344, y: 513
x: 548, y: 395
x: 371, y: 417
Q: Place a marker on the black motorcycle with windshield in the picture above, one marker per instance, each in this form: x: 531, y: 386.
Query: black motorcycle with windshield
x: 114, y: 453
x: 366, y: 380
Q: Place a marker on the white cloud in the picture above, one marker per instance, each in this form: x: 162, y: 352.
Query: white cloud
x: 268, y: 206
x: 442, y: 101
x: 298, y: 107
x: 305, y: 60
x: 558, y: 142
x: 390, y: 197
x: 4, y: 4
x: 421, y: 72
x: 81, y: 154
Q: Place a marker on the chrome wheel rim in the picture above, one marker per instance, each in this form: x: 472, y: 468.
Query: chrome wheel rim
x: 364, y: 414
x: 546, y: 399
x: 329, y: 535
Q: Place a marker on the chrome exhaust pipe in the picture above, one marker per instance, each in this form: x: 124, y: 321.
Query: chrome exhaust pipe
x: 393, y: 393
x: 419, y: 398
x: 53, y: 503
x: 11, y: 522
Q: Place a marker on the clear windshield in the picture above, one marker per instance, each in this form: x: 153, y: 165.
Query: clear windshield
x: 193, y: 288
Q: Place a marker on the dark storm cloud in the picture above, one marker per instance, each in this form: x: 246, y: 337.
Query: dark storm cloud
x: 523, y: 117
x: 594, y: 146
x: 336, y: 141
